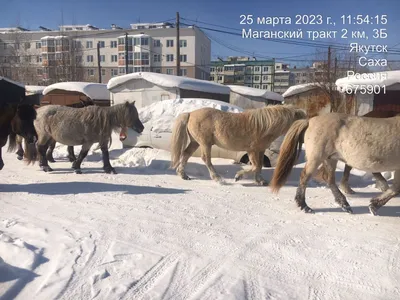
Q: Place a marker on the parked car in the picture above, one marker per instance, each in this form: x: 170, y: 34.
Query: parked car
x: 158, y: 120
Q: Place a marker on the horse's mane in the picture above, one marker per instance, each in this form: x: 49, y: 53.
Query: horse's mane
x: 273, y: 116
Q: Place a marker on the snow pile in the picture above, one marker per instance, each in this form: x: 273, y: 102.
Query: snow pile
x: 249, y: 91
x: 34, y: 89
x: 155, y: 159
x: 386, y: 78
x: 95, y: 91
x: 300, y: 88
x: 170, y: 81
x: 162, y: 114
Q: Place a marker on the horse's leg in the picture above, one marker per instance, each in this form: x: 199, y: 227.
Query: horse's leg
x: 76, y: 165
x: 193, y: 146
x: 339, y: 197
x: 258, y: 177
x: 206, y: 157
x: 254, y: 158
x: 43, y: 144
x: 300, y: 198
x: 106, y: 160
x: 1, y: 159
x: 344, y: 183
x: 381, y: 182
x: 20, y: 151
x: 71, y: 154
x: 382, y: 199
x: 49, y: 152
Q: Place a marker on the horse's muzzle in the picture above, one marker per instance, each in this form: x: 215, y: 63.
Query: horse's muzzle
x: 32, y: 140
x: 138, y: 128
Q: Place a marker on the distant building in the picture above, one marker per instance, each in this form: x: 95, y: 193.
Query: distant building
x: 45, y: 56
x: 283, y: 78
x: 244, y: 71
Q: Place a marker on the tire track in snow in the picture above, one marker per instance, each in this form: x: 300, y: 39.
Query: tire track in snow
x: 394, y: 267
x: 139, y: 288
x: 180, y: 273
x: 252, y: 287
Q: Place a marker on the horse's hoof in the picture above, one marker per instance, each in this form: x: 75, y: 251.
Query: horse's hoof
x: 78, y: 171
x: 71, y: 159
x: 372, y: 209
x: 347, y: 190
x: 19, y: 157
x: 185, y: 177
x: 47, y: 169
x: 308, y: 210
x: 1, y: 166
x: 51, y: 160
x: 262, y: 183
x: 110, y: 171
x: 238, y: 177
x: 347, y: 209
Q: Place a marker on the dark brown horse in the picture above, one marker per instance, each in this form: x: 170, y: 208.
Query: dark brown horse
x: 49, y: 155
x: 381, y: 182
x: 16, y: 118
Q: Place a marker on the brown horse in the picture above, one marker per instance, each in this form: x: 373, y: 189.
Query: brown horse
x: 252, y: 131
x: 16, y: 119
x: 322, y: 173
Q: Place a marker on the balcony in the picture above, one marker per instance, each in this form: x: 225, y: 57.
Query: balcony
x: 46, y: 49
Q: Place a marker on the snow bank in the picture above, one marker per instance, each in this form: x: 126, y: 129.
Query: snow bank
x: 300, y: 88
x: 161, y: 114
x: 249, y: 91
x: 170, y: 81
x: 95, y: 91
x: 34, y: 89
x: 386, y: 78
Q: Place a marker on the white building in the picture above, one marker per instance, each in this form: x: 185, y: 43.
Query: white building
x: 45, y: 54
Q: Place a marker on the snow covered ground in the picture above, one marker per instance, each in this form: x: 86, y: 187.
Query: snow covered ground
x: 146, y: 234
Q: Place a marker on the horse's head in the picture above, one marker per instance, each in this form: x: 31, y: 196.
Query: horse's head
x: 132, y: 117
x: 22, y: 123
x: 300, y: 114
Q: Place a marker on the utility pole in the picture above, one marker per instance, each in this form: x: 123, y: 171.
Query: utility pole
x: 126, y: 53
x: 98, y: 61
x: 178, y: 47
x: 329, y: 78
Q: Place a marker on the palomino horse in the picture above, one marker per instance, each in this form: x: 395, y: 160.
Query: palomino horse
x: 344, y: 183
x: 368, y: 144
x: 83, y: 126
x: 16, y: 119
x: 49, y: 155
x: 252, y: 131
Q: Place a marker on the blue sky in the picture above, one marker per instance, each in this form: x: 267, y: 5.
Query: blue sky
x: 101, y: 13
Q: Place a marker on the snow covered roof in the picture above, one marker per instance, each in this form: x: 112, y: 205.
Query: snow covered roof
x: 162, y: 114
x: 95, y: 91
x: 34, y: 89
x: 386, y: 78
x: 249, y: 91
x: 170, y: 81
x: 12, y: 81
x: 300, y: 88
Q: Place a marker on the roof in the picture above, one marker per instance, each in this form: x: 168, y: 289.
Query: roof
x: 34, y: 89
x: 249, y: 91
x: 300, y: 88
x: 12, y: 81
x: 386, y: 78
x: 170, y: 81
x: 95, y: 91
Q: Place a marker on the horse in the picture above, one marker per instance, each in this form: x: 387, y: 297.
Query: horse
x: 381, y: 182
x: 83, y: 126
x: 368, y: 144
x: 71, y: 155
x: 252, y: 131
x: 16, y: 119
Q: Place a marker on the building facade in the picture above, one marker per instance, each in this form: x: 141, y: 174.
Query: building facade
x: 70, y: 53
x: 283, y: 78
x: 244, y: 71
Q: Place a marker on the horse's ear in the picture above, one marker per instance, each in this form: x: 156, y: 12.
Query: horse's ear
x: 133, y: 103
x: 127, y: 103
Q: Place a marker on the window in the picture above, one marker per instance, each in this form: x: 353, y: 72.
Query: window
x: 121, y: 56
x: 157, y: 70
x: 257, y: 86
x: 27, y: 45
x: 38, y: 45
x: 157, y: 57
x: 121, y: 41
x: 182, y: 43
x: 90, y: 72
x: 265, y: 78
x: 145, y: 58
x: 114, y: 72
x: 249, y: 69
x: 248, y: 78
x: 144, y: 41
x: 58, y: 56
x: 89, y: 44
x: 212, y: 69
x: 170, y: 43
x: 170, y: 71
x: 256, y: 69
x: 51, y: 56
x: 211, y: 78
x: 265, y: 69
x: 183, y: 58
x: 183, y: 72
x: 229, y: 68
x: 220, y: 78
x: 102, y: 58
x: 170, y: 57
x: 102, y: 44
x: 103, y: 72
x: 114, y: 58
x: 219, y: 69
x: 38, y: 58
x: 121, y: 70
x: 256, y: 78
x: 113, y: 44
x: 89, y: 58
x: 265, y: 86
x: 39, y: 72
x: 157, y: 43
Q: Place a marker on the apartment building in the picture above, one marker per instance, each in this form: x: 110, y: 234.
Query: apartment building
x: 244, y: 71
x: 283, y: 79
x: 70, y: 53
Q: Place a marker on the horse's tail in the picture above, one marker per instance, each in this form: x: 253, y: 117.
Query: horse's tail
x: 179, y: 139
x: 12, y: 142
x: 289, y: 153
x: 31, y: 153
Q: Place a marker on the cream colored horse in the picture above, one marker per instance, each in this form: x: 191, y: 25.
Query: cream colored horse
x: 367, y: 144
x: 252, y: 131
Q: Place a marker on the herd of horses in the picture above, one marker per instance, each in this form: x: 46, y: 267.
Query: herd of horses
x: 368, y: 143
